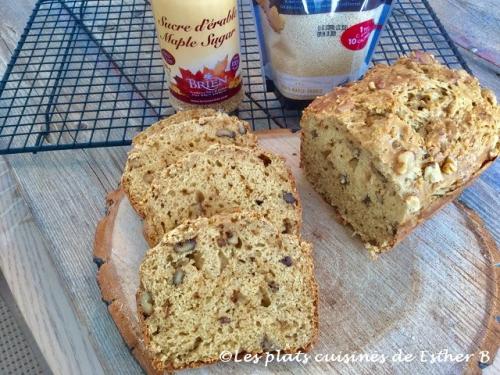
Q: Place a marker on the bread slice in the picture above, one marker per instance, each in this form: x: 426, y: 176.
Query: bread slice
x: 166, y: 142
x: 226, y: 283
x: 389, y: 150
x: 220, y: 180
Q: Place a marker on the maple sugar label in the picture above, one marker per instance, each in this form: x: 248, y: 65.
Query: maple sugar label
x: 200, y: 47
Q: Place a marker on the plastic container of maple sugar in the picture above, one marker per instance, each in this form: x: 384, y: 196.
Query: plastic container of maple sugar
x: 200, y: 47
x: 311, y: 46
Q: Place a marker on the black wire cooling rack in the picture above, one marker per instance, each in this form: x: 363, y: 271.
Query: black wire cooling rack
x: 88, y: 73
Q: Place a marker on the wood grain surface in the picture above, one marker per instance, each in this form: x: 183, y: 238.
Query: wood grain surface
x: 60, y: 199
x: 366, y: 305
x: 37, y: 287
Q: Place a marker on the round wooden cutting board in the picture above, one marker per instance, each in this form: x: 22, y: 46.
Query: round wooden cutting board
x: 435, y: 292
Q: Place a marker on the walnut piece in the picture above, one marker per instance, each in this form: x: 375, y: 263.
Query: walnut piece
x: 186, y: 246
x: 404, y: 161
x: 241, y: 129
x: 413, y: 203
x: 432, y: 173
x: 287, y: 261
x: 225, y: 133
x: 178, y: 277
x: 146, y: 303
x: 449, y: 166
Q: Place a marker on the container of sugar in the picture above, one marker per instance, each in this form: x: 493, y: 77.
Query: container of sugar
x: 310, y: 46
x: 200, y: 47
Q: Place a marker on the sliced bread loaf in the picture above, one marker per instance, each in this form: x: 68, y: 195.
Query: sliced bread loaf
x: 226, y: 283
x: 220, y: 180
x: 164, y: 145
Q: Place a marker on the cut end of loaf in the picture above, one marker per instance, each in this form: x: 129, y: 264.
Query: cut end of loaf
x: 347, y: 179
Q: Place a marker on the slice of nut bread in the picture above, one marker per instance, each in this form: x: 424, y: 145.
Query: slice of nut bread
x: 220, y: 180
x: 226, y: 283
x: 164, y: 145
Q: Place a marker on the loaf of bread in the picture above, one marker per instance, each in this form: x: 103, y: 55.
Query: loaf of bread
x: 226, y: 283
x: 220, y: 180
x: 167, y: 141
x: 389, y: 150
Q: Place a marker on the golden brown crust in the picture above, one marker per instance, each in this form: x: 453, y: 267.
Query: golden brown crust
x: 418, y: 106
x: 191, y: 114
x: 109, y: 284
x: 146, y: 362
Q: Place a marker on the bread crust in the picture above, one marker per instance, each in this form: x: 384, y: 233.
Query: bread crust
x: 191, y: 114
x: 109, y: 284
x: 371, y: 110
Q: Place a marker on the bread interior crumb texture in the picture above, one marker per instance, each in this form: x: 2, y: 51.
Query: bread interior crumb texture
x: 227, y: 283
